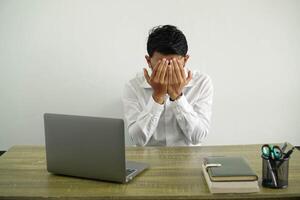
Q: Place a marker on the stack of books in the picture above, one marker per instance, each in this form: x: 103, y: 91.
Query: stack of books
x: 224, y: 174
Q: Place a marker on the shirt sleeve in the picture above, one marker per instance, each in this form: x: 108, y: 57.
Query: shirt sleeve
x: 194, y: 120
x: 141, y: 121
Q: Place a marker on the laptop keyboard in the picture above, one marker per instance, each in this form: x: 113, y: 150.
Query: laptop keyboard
x: 130, y: 171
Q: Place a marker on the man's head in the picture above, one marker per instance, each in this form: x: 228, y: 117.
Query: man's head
x: 166, y: 42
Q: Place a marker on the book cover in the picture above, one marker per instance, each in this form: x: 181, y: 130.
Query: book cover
x: 230, y: 169
x: 230, y: 187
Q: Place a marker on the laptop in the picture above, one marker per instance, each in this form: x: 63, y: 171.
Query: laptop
x: 88, y: 147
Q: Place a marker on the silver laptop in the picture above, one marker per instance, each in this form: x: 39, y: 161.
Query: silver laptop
x: 88, y: 147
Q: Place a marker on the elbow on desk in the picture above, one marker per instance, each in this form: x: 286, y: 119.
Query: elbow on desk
x: 140, y: 141
x: 138, y: 138
x: 195, y: 136
x: 198, y: 135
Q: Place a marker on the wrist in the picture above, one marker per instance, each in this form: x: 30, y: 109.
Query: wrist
x: 175, y: 97
x: 158, y: 99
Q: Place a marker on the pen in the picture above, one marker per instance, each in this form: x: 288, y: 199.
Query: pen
x: 284, y: 147
x: 272, y: 172
x: 288, y: 154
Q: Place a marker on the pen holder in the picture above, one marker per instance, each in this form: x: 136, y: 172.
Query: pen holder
x: 275, y: 173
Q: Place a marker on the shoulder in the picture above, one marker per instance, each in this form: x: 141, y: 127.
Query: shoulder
x: 137, y: 81
x: 135, y: 85
x: 201, y: 79
x: 202, y: 85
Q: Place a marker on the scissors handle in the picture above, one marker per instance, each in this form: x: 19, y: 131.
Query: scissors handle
x: 271, y: 152
x: 277, y: 152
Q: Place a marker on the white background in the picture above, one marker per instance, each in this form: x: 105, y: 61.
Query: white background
x: 74, y: 57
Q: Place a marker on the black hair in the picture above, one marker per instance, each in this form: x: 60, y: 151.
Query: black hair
x: 166, y: 39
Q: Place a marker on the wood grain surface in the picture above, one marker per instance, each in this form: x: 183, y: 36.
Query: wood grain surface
x: 175, y: 173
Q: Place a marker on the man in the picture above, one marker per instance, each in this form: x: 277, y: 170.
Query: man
x: 172, y: 106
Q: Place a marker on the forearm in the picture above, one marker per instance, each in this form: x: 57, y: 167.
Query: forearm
x: 142, y: 125
x: 194, y: 125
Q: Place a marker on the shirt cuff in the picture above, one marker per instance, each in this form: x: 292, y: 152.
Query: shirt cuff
x: 154, y: 108
x: 181, y: 105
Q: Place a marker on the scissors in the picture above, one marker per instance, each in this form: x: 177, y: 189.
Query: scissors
x: 271, y: 152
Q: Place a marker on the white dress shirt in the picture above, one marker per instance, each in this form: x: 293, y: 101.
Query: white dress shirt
x: 183, y: 122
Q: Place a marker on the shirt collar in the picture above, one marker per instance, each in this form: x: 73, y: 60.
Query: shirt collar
x: 145, y: 84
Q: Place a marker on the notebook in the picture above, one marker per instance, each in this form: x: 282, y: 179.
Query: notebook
x: 231, y: 169
x: 233, y: 175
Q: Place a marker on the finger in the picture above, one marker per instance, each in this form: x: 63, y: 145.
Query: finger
x: 171, y: 71
x: 163, y: 73
x: 182, y: 71
x: 146, y: 75
x: 174, y: 77
x: 176, y: 71
x: 155, y: 69
x: 166, y: 78
x: 160, y: 67
x: 189, y: 77
x: 170, y: 74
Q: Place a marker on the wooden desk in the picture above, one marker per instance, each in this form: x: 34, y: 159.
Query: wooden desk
x: 175, y: 173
